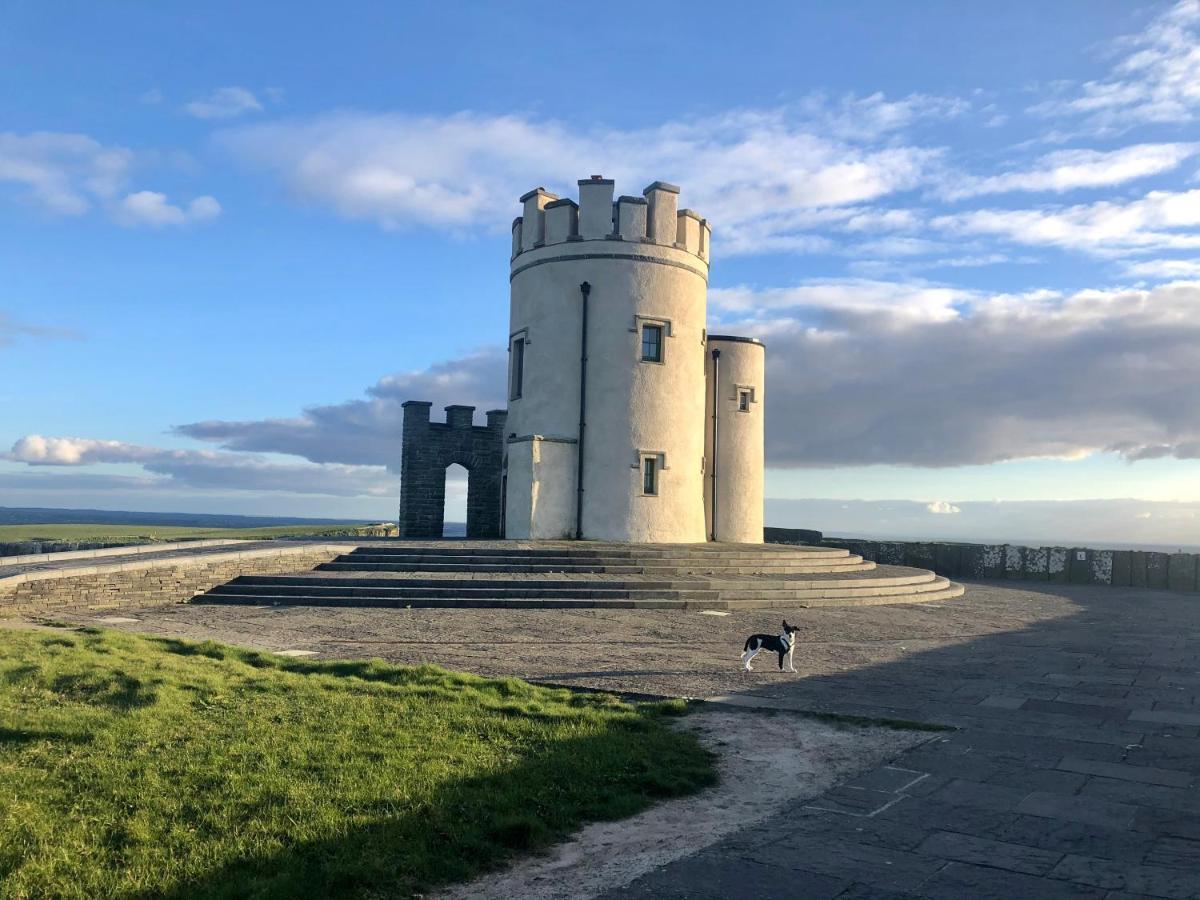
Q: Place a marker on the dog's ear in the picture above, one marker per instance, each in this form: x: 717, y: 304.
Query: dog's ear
x: 785, y: 625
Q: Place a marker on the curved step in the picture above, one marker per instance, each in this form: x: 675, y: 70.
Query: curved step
x: 951, y: 591
x: 549, y: 575
x: 892, y: 576
x: 632, y: 600
x: 851, y: 565
x: 624, y: 552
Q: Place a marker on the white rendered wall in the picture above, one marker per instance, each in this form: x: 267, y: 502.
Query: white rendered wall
x: 540, y: 495
x: 633, y: 407
x: 739, y: 456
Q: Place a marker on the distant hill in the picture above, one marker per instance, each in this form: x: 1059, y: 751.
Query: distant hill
x: 13, y: 515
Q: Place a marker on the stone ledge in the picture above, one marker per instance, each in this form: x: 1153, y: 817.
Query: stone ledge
x: 151, y: 582
x: 117, y: 550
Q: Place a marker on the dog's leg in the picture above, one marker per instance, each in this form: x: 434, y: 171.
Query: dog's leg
x: 791, y: 665
x: 781, y: 656
x: 746, y: 657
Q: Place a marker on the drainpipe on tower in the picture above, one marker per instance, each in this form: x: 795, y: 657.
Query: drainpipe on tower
x: 584, y: 290
x: 716, y: 426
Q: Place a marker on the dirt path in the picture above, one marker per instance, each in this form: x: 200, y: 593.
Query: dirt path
x: 767, y: 763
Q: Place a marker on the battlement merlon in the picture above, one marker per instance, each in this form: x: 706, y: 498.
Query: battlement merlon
x: 458, y: 417
x: 416, y: 414
x: 533, y: 218
x: 549, y: 225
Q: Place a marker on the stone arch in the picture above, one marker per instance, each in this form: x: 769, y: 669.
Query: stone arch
x: 428, y: 448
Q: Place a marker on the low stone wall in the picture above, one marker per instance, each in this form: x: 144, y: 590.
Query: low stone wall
x: 791, y: 536
x: 10, y: 549
x: 1063, y: 565
x: 34, y: 548
x: 131, y: 585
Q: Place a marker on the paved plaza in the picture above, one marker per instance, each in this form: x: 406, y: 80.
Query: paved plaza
x: 1072, y: 770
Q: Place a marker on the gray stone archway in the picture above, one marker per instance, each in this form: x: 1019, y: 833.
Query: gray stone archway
x: 429, y: 447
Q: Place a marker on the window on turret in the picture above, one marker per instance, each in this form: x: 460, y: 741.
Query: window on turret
x: 652, y: 343
x: 743, y: 401
x: 650, y: 475
x: 517, y: 376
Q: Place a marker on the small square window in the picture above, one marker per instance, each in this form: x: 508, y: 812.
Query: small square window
x: 517, y: 378
x: 743, y: 401
x: 649, y: 475
x: 652, y: 343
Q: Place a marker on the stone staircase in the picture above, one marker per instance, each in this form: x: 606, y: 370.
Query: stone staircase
x: 573, y: 575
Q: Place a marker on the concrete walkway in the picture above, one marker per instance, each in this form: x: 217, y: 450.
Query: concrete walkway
x: 1074, y: 772
x: 1074, y: 775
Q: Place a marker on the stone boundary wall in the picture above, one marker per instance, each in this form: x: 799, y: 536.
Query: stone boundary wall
x: 1060, y: 565
x: 88, y: 551
x: 130, y: 585
x: 772, y: 535
x: 9, y: 549
x: 16, y: 552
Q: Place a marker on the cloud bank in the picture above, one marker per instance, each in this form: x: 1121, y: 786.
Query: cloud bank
x: 864, y: 373
x: 765, y: 175
x: 206, y: 469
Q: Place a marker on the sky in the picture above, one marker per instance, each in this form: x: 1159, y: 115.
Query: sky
x: 234, y: 238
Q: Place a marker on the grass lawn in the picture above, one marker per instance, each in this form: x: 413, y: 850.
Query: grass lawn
x: 146, y: 767
x: 119, y: 533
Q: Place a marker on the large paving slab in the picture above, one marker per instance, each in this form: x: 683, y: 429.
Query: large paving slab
x: 1073, y: 770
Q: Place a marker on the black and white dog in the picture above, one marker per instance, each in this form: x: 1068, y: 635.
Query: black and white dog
x: 782, y: 644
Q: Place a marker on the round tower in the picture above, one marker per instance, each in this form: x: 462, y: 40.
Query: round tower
x: 606, y: 411
x: 735, y: 374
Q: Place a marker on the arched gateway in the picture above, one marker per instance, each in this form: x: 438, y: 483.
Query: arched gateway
x: 428, y: 448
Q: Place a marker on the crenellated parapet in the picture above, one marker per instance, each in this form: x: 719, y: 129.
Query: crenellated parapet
x: 654, y: 219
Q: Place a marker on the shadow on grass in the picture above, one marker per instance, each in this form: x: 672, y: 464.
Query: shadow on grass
x: 428, y: 677
x: 17, y: 737
x: 470, y: 825
x: 116, y: 690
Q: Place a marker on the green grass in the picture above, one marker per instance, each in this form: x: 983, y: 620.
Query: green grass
x: 141, y: 767
x: 140, y: 533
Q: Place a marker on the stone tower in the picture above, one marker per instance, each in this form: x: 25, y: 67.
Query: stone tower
x: 614, y: 431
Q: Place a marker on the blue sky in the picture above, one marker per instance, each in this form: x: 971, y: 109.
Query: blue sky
x: 234, y: 237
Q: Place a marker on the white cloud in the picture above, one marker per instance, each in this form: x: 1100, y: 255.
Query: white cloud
x: 224, y: 103
x: 1164, y: 269
x: 206, y: 469
x: 943, y: 508
x: 69, y: 174
x: 1161, y: 220
x: 63, y: 173
x: 893, y: 303
x: 1066, y: 170
x: 43, y: 451
x: 1157, y: 80
x: 152, y: 208
x: 768, y: 177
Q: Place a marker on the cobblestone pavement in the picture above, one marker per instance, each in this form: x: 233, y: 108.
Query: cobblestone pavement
x: 1073, y: 772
